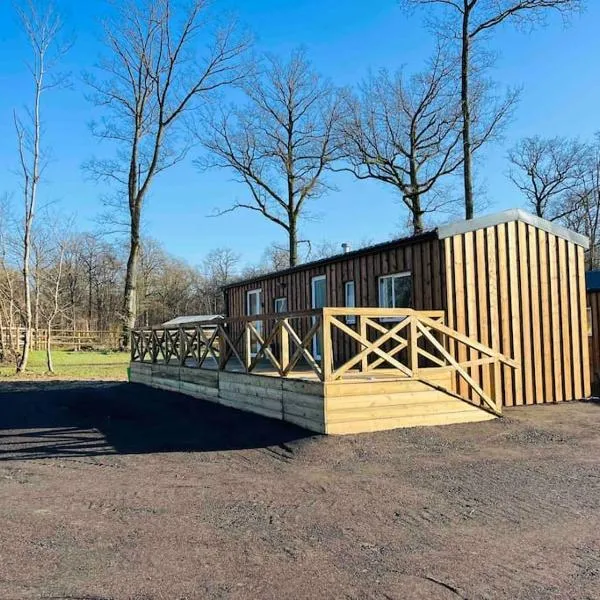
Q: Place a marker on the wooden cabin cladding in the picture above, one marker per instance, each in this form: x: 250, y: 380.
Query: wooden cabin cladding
x: 512, y: 281
x: 420, y: 256
x: 521, y: 290
x: 593, y: 302
x: 593, y: 305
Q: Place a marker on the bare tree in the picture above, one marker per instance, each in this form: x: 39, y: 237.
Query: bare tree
x: 280, y: 144
x: 49, y: 248
x: 219, y: 269
x: 403, y: 131
x: 548, y: 171
x: 152, y: 76
x: 9, y: 284
x: 584, y: 202
x: 43, y: 31
x: 472, y: 20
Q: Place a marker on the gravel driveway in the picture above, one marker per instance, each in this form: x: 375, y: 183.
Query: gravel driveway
x: 117, y: 491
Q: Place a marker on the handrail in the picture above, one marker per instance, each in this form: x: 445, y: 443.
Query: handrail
x: 407, y: 343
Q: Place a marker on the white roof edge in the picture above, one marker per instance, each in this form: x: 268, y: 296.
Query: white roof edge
x: 507, y: 216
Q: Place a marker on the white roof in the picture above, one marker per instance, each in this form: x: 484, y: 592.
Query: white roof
x: 506, y: 216
x: 186, y: 320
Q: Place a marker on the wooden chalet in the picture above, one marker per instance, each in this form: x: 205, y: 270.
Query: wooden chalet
x: 448, y: 326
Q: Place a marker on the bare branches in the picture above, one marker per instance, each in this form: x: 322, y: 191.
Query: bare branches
x: 43, y: 30
x: 280, y: 144
x: 404, y: 131
x: 152, y: 75
x: 548, y: 172
x: 468, y: 21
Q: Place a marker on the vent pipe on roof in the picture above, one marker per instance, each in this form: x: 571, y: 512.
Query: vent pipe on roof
x: 346, y: 247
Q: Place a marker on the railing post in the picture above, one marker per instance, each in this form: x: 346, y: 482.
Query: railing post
x: 284, y: 345
x: 326, y: 345
x: 222, y: 347
x: 182, y: 347
x: 364, y: 363
x: 413, y: 345
x: 247, y: 354
x: 154, y: 347
x: 496, y: 384
x: 132, y: 345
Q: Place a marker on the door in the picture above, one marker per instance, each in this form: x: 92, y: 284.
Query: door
x: 318, y: 296
x: 254, y: 307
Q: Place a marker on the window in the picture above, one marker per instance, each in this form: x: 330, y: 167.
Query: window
x: 280, y: 305
x: 395, y: 291
x: 350, y: 300
x: 589, y: 321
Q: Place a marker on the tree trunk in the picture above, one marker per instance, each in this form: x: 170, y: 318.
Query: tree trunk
x: 49, y: 362
x: 466, y: 116
x: 417, y: 215
x: 293, y: 243
x: 27, y: 292
x: 130, y: 295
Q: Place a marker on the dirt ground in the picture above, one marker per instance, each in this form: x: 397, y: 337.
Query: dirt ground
x: 116, y: 491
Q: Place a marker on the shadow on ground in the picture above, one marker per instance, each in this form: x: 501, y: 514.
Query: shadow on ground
x: 66, y: 419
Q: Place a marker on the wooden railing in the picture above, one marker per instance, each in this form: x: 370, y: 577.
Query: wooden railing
x: 332, y: 343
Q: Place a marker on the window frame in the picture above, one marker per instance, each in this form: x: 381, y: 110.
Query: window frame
x: 401, y: 274
x: 350, y: 319
x: 279, y: 299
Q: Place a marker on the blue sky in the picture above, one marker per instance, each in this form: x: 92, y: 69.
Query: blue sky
x: 557, y: 68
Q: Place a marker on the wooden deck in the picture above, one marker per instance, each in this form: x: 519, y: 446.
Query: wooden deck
x: 355, y: 404
x: 400, y: 374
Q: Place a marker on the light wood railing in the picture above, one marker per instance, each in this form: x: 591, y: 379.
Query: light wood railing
x: 333, y: 344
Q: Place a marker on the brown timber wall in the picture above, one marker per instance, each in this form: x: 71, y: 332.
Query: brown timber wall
x: 423, y: 259
x: 521, y: 290
x: 421, y: 256
x: 593, y: 303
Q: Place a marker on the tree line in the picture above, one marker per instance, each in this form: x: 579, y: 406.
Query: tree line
x: 156, y: 94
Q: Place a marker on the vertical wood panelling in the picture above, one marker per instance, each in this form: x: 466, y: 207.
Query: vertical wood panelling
x: 557, y: 366
x: 515, y: 313
x: 503, y: 312
x: 585, y: 358
x: 593, y: 301
x: 575, y: 320
x: 564, y: 319
x: 536, y: 316
x: 528, y: 300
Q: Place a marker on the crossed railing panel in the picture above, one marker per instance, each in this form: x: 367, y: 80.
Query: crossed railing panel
x: 333, y: 343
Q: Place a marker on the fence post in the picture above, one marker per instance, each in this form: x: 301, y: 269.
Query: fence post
x: 284, y: 344
x: 223, y: 350
x: 326, y: 345
x: 182, y: 347
x: 247, y: 354
x: 413, y: 348
x: 362, y: 324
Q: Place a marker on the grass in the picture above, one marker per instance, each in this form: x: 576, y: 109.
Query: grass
x: 73, y: 365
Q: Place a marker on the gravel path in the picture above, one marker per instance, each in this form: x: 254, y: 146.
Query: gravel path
x: 116, y: 491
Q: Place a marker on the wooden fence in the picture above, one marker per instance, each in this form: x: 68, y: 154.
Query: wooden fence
x: 402, y: 343
x: 64, y: 339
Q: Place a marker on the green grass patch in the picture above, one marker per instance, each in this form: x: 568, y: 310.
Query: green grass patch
x: 74, y: 365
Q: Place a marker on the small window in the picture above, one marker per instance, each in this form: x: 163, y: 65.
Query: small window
x: 590, y: 331
x: 395, y: 291
x: 280, y: 305
x: 350, y: 300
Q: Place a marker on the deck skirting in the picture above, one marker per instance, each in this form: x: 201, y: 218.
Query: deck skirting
x: 341, y: 407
